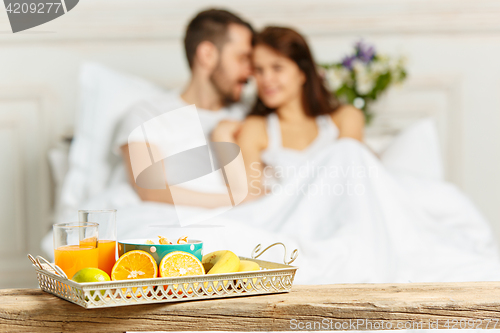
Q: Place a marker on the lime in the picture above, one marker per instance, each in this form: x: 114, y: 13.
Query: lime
x: 91, y: 274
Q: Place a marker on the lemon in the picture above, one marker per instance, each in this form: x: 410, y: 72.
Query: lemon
x: 91, y: 274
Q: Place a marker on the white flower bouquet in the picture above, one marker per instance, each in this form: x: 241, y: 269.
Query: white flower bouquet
x: 360, y: 78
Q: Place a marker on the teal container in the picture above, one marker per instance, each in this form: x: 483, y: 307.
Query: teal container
x: 158, y: 251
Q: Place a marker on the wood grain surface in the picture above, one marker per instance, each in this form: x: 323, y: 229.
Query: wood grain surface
x: 320, y: 307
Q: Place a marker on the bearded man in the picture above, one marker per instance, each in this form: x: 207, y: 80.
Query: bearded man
x: 218, y: 46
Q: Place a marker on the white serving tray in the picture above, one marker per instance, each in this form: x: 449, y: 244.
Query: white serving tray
x: 271, y: 278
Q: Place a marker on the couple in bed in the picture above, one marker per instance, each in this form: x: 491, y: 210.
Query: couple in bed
x: 351, y: 219
x: 293, y: 110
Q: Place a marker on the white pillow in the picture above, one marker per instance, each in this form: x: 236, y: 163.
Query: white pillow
x: 415, y: 151
x: 104, y: 96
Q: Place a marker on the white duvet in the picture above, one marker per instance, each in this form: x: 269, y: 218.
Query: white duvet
x: 399, y: 228
x: 388, y: 224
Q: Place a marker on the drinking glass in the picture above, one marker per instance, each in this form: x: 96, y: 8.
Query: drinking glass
x: 75, y: 246
x: 106, y: 219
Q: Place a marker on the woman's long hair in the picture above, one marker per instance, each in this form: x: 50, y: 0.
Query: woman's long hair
x: 316, y: 99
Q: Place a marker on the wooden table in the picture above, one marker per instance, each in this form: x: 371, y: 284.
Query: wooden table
x: 321, y: 307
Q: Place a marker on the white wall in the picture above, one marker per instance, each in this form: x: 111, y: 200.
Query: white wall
x: 453, y: 48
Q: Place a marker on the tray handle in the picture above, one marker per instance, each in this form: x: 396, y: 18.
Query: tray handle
x: 293, y: 256
x: 37, y: 262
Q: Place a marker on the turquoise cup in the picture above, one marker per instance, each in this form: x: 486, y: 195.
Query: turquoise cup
x: 158, y: 251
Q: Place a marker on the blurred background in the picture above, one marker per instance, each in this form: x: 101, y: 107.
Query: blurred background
x: 452, y: 49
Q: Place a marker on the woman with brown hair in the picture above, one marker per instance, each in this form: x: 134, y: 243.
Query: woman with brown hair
x: 294, y: 115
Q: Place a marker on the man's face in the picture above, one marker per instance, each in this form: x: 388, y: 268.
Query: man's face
x: 234, y: 67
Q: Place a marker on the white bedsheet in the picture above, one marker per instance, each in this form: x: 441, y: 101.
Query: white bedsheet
x: 402, y: 228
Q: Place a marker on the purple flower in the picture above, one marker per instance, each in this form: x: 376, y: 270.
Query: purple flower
x: 347, y: 61
x: 364, y: 52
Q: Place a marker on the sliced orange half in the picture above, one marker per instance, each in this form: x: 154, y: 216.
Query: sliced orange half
x: 179, y: 264
x: 134, y: 265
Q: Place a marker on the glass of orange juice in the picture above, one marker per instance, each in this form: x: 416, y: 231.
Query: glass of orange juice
x: 106, y: 218
x: 75, y: 246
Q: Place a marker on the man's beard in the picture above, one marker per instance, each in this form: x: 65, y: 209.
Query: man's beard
x: 223, y: 87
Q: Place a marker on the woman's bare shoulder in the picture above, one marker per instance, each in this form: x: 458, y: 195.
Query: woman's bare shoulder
x: 350, y: 121
x: 255, y: 121
x: 253, y: 131
x: 348, y: 114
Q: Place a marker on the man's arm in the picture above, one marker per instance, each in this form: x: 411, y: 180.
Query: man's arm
x: 183, y: 196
